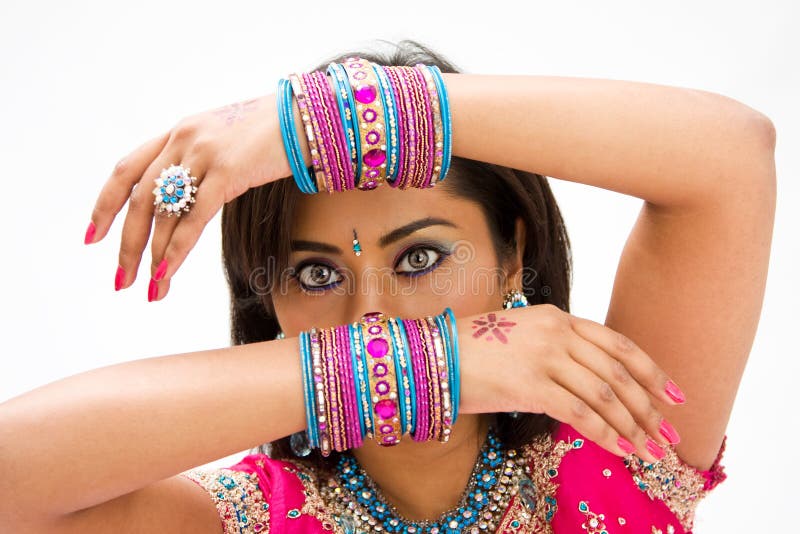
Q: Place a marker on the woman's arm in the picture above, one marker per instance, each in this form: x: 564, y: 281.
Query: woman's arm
x: 94, y: 436
x: 691, y: 278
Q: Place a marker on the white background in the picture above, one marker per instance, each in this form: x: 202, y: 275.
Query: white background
x: 83, y: 83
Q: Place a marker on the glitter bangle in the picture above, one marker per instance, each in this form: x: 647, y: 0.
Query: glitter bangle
x: 308, y: 117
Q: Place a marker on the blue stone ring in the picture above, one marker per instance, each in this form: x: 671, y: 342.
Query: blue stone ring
x: 174, y: 191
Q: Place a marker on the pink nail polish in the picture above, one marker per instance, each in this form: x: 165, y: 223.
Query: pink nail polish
x: 625, y: 445
x: 161, y: 270
x: 119, y: 279
x: 152, y: 291
x: 654, y: 449
x: 674, y: 392
x: 669, y: 432
x: 90, y: 230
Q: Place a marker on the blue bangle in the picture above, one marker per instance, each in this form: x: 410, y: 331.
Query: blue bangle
x: 411, y: 384
x: 309, y: 390
x: 390, y: 113
x: 456, y: 370
x: 444, y: 106
x: 343, y: 82
x: 343, y: 99
x: 357, y: 376
x: 290, y: 141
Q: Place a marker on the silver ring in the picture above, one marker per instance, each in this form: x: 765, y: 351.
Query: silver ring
x: 174, y: 190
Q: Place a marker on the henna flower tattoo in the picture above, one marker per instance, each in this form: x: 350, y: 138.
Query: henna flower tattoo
x: 235, y: 111
x: 491, y: 325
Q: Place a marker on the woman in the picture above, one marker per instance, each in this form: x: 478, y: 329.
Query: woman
x: 622, y: 424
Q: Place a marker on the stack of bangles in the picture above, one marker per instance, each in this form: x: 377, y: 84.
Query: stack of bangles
x: 366, y: 125
x: 380, y: 377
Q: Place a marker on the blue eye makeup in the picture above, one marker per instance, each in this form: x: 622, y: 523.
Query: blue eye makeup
x: 418, y: 259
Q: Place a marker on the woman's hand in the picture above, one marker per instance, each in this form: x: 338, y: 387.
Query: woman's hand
x: 229, y: 150
x: 540, y: 359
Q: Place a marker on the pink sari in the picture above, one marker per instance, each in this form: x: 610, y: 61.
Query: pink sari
x: 581, y: 487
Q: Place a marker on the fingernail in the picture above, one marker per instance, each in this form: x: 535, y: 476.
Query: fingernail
x: 89, y: 233
x: 674, y: 392
x: 152, y: 291
x: 625, y: 445
x: 119, y: 279
x: 669, y: 432
x: 161, y: 270
x: 654, y: 449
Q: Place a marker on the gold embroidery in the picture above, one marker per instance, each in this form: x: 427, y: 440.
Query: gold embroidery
x: 243, y: 509
x: 241, y: 504
x: 678, y: 484
x: 313, y: 505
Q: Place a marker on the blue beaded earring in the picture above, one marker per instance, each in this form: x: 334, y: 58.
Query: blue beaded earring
x: 514, y: 299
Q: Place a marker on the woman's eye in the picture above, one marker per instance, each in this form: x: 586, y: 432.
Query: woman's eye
x: 316, y: 276
x: 419, y: 260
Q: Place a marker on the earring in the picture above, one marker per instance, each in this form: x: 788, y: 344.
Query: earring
x: 514, y: 299
x: 280, y: 335
x: 356, y: 244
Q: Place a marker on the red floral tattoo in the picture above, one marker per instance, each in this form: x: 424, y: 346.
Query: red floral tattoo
x: 492, y: 325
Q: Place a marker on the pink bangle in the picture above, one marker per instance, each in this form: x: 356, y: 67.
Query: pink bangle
x: 420, y: 379
x: 323, y: 144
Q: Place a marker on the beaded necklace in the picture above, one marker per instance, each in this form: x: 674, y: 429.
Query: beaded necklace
x: 498, y: 474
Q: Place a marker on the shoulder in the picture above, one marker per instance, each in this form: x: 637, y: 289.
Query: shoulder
x: 582, y: 484
x: 243, y: 494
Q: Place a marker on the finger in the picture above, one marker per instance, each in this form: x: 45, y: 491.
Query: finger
x: 117, y: 189
x: 157, y: 290
x: 210, y: 198
x: 564, y: 405
x: 139, y: 219
x: 633, y: 396
x: 636, y: 361
x: 600, y: 398
x: 165, y: 225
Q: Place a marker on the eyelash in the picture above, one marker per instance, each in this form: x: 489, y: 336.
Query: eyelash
x: 443, y: 255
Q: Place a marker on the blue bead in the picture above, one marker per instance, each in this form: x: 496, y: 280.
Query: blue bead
x: 179, y: 192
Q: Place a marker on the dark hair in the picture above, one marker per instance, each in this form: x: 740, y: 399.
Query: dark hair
x: 256, y: 227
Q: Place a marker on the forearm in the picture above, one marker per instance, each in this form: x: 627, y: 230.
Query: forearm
x: 670, y: 146
x: 94, y: 436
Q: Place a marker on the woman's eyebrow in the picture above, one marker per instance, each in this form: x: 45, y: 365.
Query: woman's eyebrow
x: 384, y: 241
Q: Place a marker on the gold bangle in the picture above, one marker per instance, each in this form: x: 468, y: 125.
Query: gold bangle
x: 371, y: 122
x: 382, y: 378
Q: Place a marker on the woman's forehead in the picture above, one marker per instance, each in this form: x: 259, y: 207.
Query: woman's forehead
x: 374, y: 213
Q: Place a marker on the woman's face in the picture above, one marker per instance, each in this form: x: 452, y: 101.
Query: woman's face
x: 421, y: 251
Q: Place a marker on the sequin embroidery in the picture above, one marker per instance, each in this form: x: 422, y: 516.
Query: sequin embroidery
x: 239, y: 501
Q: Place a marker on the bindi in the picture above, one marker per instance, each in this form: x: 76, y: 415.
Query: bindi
x: 490, y: 325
